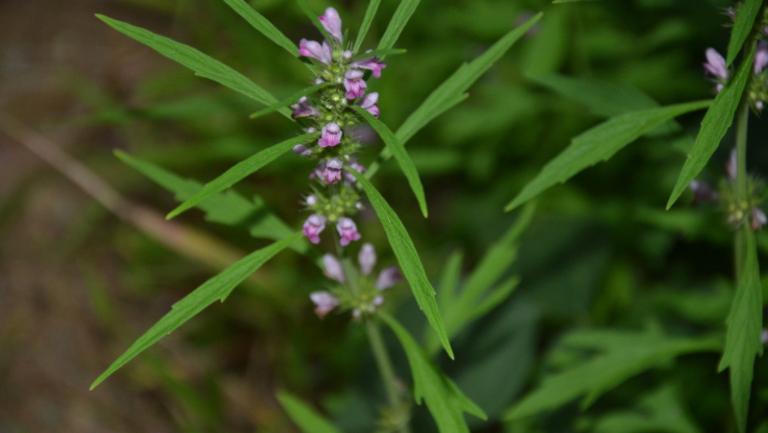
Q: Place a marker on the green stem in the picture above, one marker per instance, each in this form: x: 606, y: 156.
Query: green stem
x: 387, y: 373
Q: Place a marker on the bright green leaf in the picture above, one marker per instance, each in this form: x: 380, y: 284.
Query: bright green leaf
x: 217, y: 288
x: 290, y: 100
x: 716, y: 122
x: 308, y: 420
x: 396, y: 148
x: 599, y: 144
x: 193, y: 59
x: 263, y: 25
x: 407, y: 257
x: 745, y: 21
x: 370, y: 13
x: 742, y: 340
x: 240, y: 171
x: 405, y: 9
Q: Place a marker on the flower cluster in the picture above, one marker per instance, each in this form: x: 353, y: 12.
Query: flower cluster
x: 329, y: 111
x: 366, y: 297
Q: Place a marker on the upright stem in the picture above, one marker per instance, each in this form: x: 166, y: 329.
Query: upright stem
x: 387, y: 373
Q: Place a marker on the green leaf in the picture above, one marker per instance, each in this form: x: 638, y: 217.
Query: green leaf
x: 314, y: 18
x: 308, y: 420
x: 745, y: 21
x: 263, y: 25
x: 623, y: 355
x: 599, y: 144
x: 449, y: 281
x: 571, y: 1
x: 291, y: 99
x: 193, y: 59
x: 716, y: 122
x: 452, y: 91
x: 659, y: 411
x: 240, y: 171
x: 443, y: 398
x: 380, y: 53
x: 742, y: 340
x: 396, y: 148
x: 218, y: 287
x: 370, y: 13
x: 407, y: 257
x: 396, y: 25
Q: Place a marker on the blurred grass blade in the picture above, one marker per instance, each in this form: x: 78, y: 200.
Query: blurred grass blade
x: 308, y: 420
x: 314, y: 18
x: 193, y: 59
x: 370, y: 14
x: 263, y: 25
x: 290, y: 100
x: 495, y: 298
x: 407, y: 257
x: 745, y: 21
x: 380, y: 53
x: 239, y: 172
x: 599, y: 144
x: 217, y: 288
x: 742, y: 340
x: 453, y: 90
x: 443, y: 398
x: 403, y: 13
x: 603, y: 98
x: 716, y: 122
x: 396, y: 148
x: 449, y: 281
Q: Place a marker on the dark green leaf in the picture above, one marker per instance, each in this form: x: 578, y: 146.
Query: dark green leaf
x: 407, y: 257
x: 370, y: 13
x: 396, y: 148
x: 742, y: 340
x: 263, y: 25
x: 716, y: 122
x: 217, y: 288
x: 745, y: 21
x: 240, y: 171
x: 599, y: 144
x: 290, y: 100
x: 308, y: 420
x: 403, y: 13
x: 193, y: 59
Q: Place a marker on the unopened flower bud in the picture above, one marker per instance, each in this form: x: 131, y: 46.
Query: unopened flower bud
x: 347, y: 230
x: 367, y: 258
x: 333, y: 268
x: 324, y: 301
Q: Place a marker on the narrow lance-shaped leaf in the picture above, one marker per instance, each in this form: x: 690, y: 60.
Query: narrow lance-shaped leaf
x: 716, y: 122
x: 263, y: 25
x: 742, y: 339
x: 308, y: 420
x: 452, y: 91
x: 599, y: 144
x: 240, y: 171
x: 370, y: 13
x: 396, y: 148
x: 407, y: 257
x: 396, y: 25
x: 193, y: 59
x: 745, y: 21
x: 217, y: 288
x: 290, y: 100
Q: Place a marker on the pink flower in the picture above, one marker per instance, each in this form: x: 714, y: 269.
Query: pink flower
x: 716, y: 64
x: 332, y: 171
x: 324, y: 301
x: 354, y: 83
x: 332, y: 23
x: 761, y: 57
x: 302, y: 150
x: 369, y: 103
x: 331, y: 135
x: 333, y: 269
x: 351, y: 178
x: 347, y: 230
x: 388, y: 278
x: 313, y: 50
x: 367, y: 258
x: 758, y: 219
x: 370, y: 63
x: 314, y: 225
x: 304, y: 109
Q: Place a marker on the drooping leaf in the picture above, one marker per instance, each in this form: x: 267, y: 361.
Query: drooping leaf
x: 240, y: 171
x: 745, y: 21
x: 742, y: 340
x: 443, y: 398
x: 263, y: 25
x: 407, y: 257
x: 217, y: 288
x: 623, y: 355
x: 452, y: 91
x: 403, y: 13
x: 396, y: 148
x: 599, y: 144
x: 370, y: 13
x: 308, y: 420
x: 716, y: 122
x: 290, y: 100
x: 193, y: 59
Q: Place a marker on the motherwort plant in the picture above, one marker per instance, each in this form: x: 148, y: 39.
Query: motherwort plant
x: 328, y: 112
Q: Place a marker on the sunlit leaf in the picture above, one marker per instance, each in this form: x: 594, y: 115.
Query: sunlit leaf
x: 403, y: 13
x: 263, y: 25
x: 217, y: 288
x: 240, y: 171
x: 308, y: 420
x: 599, y: 144
x: 745, y: 21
